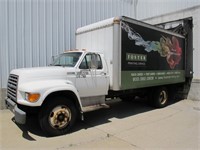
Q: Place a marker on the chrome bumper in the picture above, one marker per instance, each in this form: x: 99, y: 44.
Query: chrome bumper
x: 20, y: 116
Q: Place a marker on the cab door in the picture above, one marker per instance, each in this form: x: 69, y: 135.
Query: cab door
x: 92, y: 79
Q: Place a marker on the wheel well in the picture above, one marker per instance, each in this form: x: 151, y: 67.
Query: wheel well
x: 68, y: 94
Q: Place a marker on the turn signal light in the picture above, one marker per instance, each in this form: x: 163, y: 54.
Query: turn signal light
x: 32, y: 97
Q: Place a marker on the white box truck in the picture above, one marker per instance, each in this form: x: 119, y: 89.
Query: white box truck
x: 118, y: 57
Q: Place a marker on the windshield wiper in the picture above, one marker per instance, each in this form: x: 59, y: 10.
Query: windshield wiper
x: 57, y: 65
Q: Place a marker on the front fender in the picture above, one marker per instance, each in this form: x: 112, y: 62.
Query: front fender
x: 45, y: 88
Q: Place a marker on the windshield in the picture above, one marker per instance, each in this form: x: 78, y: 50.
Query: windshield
x: 67, y: 59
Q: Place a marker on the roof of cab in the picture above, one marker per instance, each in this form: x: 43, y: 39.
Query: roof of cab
x: 75, y: 50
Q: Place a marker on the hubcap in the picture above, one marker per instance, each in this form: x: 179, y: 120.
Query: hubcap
x: 163, y: 97
x: 60, y: 117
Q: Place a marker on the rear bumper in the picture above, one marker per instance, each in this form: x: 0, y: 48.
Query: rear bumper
x: 20, y: 116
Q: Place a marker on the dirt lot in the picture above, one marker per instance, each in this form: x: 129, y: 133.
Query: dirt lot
x: 126, y: 125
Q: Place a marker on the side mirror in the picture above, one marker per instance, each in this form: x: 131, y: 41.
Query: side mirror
x: 94, y: 63
x: 53, y: 58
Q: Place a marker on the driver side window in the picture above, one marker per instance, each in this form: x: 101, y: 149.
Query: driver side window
x: 91, y: 61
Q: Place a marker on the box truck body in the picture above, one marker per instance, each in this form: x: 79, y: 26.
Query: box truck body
x: 138, y: 55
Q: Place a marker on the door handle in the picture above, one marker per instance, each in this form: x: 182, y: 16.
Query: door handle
x: 103, y: 73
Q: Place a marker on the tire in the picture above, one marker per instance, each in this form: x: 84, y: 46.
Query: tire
x: 57, y: 116
x: 160, y: 97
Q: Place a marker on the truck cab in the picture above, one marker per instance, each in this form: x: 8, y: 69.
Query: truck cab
x: 90, y: 71
x: 77, y: 81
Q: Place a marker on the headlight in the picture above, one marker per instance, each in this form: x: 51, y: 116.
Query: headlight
x: 32, y: 97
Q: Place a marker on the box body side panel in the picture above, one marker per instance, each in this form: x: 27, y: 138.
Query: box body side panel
x: 150, y: 57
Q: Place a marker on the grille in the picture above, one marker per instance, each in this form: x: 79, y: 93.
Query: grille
x: 12, y: 87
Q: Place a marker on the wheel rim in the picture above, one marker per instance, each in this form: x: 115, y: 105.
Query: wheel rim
x: 163, y: 97
x: 60, y: 117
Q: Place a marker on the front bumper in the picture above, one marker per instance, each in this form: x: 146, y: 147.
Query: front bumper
x: 20, y: 116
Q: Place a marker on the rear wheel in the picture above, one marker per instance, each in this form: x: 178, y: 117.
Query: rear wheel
x: 160, y: 97
x: 57, y: 116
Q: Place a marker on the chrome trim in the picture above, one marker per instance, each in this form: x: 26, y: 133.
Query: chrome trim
x: 12, y: 87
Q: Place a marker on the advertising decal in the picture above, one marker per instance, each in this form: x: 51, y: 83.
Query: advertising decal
x: 150, y: 57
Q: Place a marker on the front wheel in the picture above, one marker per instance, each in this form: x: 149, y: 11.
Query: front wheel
x: 57, y: 116
x: 160, y: 97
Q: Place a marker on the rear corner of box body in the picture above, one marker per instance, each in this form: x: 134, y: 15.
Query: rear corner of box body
x: 116, y: 57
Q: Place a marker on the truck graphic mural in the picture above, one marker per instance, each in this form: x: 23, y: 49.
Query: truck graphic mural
x: 166, y: 47
x: 150, y: 56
